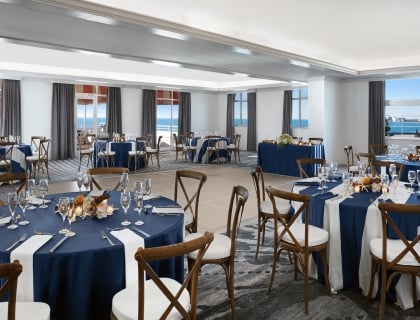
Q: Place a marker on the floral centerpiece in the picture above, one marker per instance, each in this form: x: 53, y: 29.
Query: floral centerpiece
x: 94, y: 206
x: 284, y: 140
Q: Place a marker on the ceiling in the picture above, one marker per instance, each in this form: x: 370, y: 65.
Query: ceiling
x: 219, y: 45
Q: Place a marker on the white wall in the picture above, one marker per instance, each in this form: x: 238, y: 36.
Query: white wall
x: 269, y: 113
x: 131, y: 109
x: 206, y: 109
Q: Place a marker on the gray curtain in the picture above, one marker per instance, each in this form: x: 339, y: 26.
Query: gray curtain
x: 287, y: 111
x: 230, y: 127
x: 184, y: 116
x: 149, y: 113
x: 11, y: 111
x: 62, y: 135
x: 252, y: 122
x: 113, y: 110
x: 376, y: 112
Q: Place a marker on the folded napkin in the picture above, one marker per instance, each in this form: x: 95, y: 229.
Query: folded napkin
x: 307, y: 183
x: 5, y: 220
x: 96, y: 193
x: 38, y: 201
x: 24, y: 253
x: 132, y: 241
x: 166, y: 210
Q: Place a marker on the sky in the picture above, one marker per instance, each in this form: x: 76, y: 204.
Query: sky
x: 403, y: 89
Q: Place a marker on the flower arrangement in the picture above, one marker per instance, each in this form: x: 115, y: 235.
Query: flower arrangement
x: 284, y: 140
x: 94, y: 206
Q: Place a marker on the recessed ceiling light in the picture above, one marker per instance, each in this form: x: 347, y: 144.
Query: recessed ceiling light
x: 242, y: 51
x: 93, y: 53
x: 93, y: 18
x: 169, y: 34
x: 166, y: 63
x: 300, y: 63
x: 240, y: 74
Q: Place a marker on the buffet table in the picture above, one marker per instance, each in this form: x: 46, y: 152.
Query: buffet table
x: 282, y: 160
x: 79, y: 279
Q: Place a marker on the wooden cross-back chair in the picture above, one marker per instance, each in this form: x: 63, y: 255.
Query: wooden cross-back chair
x: 365, y: 157
x: 234, y: 147
x: 179, y: 142
x: 35, y: 143
x: 150, y: 152
x: 39, y: 161
x: 191, y: 194
x: 377, y: 164
x: 138, y: 153
x: 305, y: 163
x: 12, y: 177
x: 378, y: 149
x: 158, y: 297
x: 6, y: 157
x: 94, y: 173
x: 348, y: 151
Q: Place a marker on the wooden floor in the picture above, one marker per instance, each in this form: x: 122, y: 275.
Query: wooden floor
x: 215, y: 195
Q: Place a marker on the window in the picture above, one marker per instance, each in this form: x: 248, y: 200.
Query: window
x: 91, y: 103
x: 300, y: 111
x: 402, y: 107
x: 240, y: 113
x: 167, y: 107
x: 1, y: 106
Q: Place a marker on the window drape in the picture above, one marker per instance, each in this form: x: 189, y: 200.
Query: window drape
x: 252, y: 122
x: 113, y: 110
x: 11, y: 109
x: 376, y: 112
x: 62, y: 131
x: 149, y: 113
x: 230, y: 126
x: 184, y: 116
x: 287, y: 111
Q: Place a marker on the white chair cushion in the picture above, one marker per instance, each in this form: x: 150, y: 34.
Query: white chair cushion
x: 219, y: 248
x: 180, y: 145
x: 32, y: 158
x: 283, y: 206
x: 125, y: 302
x: 150, y: 150
x: 316, y: 235
x: 27, y: 310
x: 394, y: 247
x: 107, y: 153
x: 88, y: 151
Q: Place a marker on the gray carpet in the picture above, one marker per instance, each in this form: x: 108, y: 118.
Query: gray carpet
x: 286, y: 298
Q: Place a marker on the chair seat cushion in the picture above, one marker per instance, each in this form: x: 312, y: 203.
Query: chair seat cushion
x: 125, y: 302
x: 134, y: 153
x: 218, y: 249
x: 87, y: 151
x: 32, y: 158
x: 283, y: 206
x: 27, y: 310
x: 394, y: 247
x: 4, y: 162
x: 151, y: 150
x: 106, y: 154
x: 316, y: 236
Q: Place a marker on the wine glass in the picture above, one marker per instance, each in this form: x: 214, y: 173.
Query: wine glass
x: 63, y: 209
x: 392, y: 170
x: 321, y: 176
x: 79, y: 179
x: 12, y: 201
x: 138, y: 187
x: 125, y: 204
x: 327, y: 171
x: 23, y: 204
x: 418, y: 181
x: 124, y: 181
x: 394, y: 184
x: 31, y: 190
x: 70, y: 216
x: 385, y: 184
x: 86, y: 182
x: 139, y: 206
x: 147, y: 191
x: 43, y: 188
x: 334, y: 167
x: 411, y: 178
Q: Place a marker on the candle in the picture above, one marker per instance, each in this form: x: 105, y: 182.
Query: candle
x: 110, y: 210
x: 357, y: 188
x: 78, y: 211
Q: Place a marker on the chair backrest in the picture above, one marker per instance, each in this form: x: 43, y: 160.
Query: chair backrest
x: 301, y: 203
x: 237, y: 141
x: 258, y: 179
x: 305, y: 162
x: 9, y: 273
x: 143, y: 256
x: 4, y: 139
x: 92, y: 172
x: 158, y: 143
x: 391, y: 216
x: 44, y: 147
x: 140, y: 144
x: 8, y: 154
x: 316, y: 140
x: 378, y: 149
x: 190, y: 191
x: 16, y: 176
x: 101, y: 145
x: 35, y: 143
x: 365, y: 157
x: 375, y: 164
x: 348, y: 151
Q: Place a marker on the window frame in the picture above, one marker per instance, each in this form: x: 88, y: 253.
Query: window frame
x: 300, y: 99
x: 243, y: 103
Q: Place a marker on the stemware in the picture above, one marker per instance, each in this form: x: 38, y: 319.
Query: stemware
x: 394, y: 184
x: 411, y: 179
x: 418, y: 181
x: 124, y: 181
x: 392, y: 170
x: 334, y: 167
x: 31, y: 190
x: 139, y: 206
x: 43, y: 188
x: 86, y: 182
x: 385, y: 185
x: 147, y: 191
x: 79, y: 179
x: 125, y: 204
x: 70, y: 216
x: 12, y: 201
x: 138, y: 187
x: 63, y: 209
x: 23, y: 204
x: 321, y: 176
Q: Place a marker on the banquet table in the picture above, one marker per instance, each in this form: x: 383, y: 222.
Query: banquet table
x: 352, y: 221
x: 121, y: 149
x: 79, y: 279
x: 408, y: 165
x: 202, y: 144
x: 20, y: 152
x: 282, y: 160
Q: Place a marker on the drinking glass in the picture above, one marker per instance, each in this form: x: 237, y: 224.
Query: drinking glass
x: 125, y: 204
x: 392, y: 170
x: 327, y: 171
x: 124, y: 181
x: 63, y: 209
x: 43, y: 188
x: 418, y: 181
x: 394, y: 184
x: 147, y: 191
x: 86, y: 182
x: 411, y: 178
x: 139, y: 206
x: 321, y: 176
x: 12, y: 201
x: 385, y: 185
x: 71, y: 214
x: 31, y: 190
x: 79, y: 179
x: 23, y: 204
x: 334, y: 167
x: 138, y: 187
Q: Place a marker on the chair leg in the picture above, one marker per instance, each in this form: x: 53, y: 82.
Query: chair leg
x: 229, y: 271
x: 373, y: 270
x: 325, y: 265
x: 383, y: 295
x: 258, y: 237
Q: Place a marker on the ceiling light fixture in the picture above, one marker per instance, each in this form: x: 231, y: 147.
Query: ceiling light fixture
x: 166, y: 63
x: 300, y: 63
x: 240, y: 74
x: 94, y: 18
x: 169, y: 34
x: 94, y: 53
x: 242, y: 51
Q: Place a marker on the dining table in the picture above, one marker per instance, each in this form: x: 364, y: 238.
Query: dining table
x: 408, y: 164
x: 121, y: 149
x: 80, y: 277
x: 282, y: 159
x: 201, y: 144
x: 352, y: 220
x: 20, y: 152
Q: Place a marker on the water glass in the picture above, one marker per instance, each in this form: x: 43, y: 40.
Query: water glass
x: 86, y: 182
x: 411, y: 178
x: 394, y: 184
x: 43, y: 188
x: 23, y: 204
x: 63, y: 209
x: 125, y: 200
x: 12, y: 202
x: 70, y: 216
x: 147, y: 191
x: 31, y: 190
x: 138, y: 187
x: 139, y: 206
x: 79, y: 179
x: 124, y: 181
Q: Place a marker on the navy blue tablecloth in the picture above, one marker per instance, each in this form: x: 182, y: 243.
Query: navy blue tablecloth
x: 121, y: 155
x: 19, y: 166
x: 200, y: 153
x: 80, y: 278
x: 282, y: 160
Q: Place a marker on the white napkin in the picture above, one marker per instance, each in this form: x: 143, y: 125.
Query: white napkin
x: 132, y: 241
x: 24, y: 253
x: 160, y: 210
x: 96, y: 193
x: 5, y: 220
x: 38, y: 201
